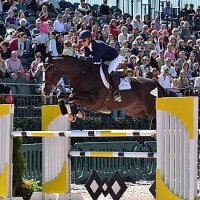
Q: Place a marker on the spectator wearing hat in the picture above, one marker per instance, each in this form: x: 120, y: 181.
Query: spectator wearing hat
x: 164, y: 78
x: 169, y: 53
x: 134, y: 49
x: 153, y: 61
x: 123, y: 35
x: 129, y: 25
x: 137, y: 22
x: 171, y: 70
x: 133, y: 63
x: 147, y: 21
x: 139, y: 40
x: 160, y: 45
x: 113, y: 28
x: 160, y: 59
x: 152, y: 27
x: 147, y: 46
x: 124, y: 47
x: 140, y: 56
x: 145, y: 61
x: 144, y: 32
x: 104, y: 9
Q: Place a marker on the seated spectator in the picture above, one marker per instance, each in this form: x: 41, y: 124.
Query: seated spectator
x: 23, y: 28
x: 82, y: 51
x: 181, y: 45
x: 18, y: 44
x: 44, y: 17
x: 196, y: 70
x: 155, y: 73
x: 169, y: 53
x: 9, y: 5
x: 145, y: 61
x: 123, y: 48
x: 90, y: 24
x: 184, y: 13
x: 164, y: 78
x: 154, y: 35
x: 134, y: 49
x: 83, y: 7
x: 123, y: 35
x: 60, y: 43
x: 183, y: 82
x: 137, y: 72
x: 88, y: 16
x: 99, y: 36
x: 5, y: 50
x: 174, y: 85
x: 52, y: 45
x: 144, y: 32
x: 21, y: 15
x: 63, y: 4
x: 147, y: 21
x: 58, y: 25
x: 189, y: 48
x: 2, y: 68
x: 147, y: 47
x: 160, y: 46
x: 160, y: 60
x: 153, y: 61
x: 177, y: 68
x: 121, y: 24
x: 66, y: 14
x: 171, y: 70
x: 140, y: 56
x: 137, y: 22
x: 49, y: 5
x: 113, y: 28
x: 130, y: 41
x: 147, y: 72
x: 104, y: 10
x: 187, y: 71
x: 11, y: 20
x: 185, y: 32
x: 129, y: 25
x: 68, y: 50
x: 105, y: 32
x: 69, y: 24
x: 153, y: 27
x: 76, y: 17
x: 135, y: 32
x: 35, y: 63
x: 181, y: 59
x: 196, y: 20
x: 14, y: 68
x: 127, y: 55
x: 133, y: 62
x: 32, y: 5
x: 158, y: 24
x: 191, y: 60
x: 20, y: 5
x: 197, y: 83
x: 129, y: 73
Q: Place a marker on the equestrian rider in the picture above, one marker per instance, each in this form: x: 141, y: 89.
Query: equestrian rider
x: 97, y: 51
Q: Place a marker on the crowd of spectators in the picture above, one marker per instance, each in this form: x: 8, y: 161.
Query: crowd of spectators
x: 151, y: 49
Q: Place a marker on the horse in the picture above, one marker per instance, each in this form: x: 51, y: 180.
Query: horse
x: 90, y: 92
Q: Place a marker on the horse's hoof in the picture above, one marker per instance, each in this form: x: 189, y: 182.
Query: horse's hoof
x: 81, y: 115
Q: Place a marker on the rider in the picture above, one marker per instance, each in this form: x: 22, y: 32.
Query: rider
x: 98, y: 51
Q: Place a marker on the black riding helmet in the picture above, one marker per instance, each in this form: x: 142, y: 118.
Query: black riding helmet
x: 85, y: 34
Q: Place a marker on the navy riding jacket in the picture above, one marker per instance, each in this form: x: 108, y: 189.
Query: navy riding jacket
x: 100, y: 52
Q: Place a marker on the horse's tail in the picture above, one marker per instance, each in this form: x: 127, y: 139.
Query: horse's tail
x: 163, y: 91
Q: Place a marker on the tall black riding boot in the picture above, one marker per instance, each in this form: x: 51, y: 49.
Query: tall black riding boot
x: 115, y: 84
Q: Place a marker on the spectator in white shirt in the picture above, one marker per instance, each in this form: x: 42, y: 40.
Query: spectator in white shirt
x: 164, y: 78
x: 52, y: 45
x: 58, y: 25
x: 137, y: 23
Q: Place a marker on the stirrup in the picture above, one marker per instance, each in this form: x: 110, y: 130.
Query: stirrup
x: 117, y: 96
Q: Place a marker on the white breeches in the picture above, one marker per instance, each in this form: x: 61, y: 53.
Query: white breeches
x: 114, y: 64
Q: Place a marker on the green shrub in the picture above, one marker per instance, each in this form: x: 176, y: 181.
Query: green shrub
x: 27, y: 187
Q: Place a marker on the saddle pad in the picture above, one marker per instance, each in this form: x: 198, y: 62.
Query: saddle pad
x: 124, y: 84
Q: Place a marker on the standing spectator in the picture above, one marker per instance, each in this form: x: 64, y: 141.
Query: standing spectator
x: 191, y: 10
x: 14, y: 68
x: 147, y: 21
x: 52, y: 45
x: 11, y: 20
x: 58, y: 25
x: 113, y: 28
x: 104, y: 10
x: 184, y: 13
x: 137, y: 22
x: 83, y: 7
x: 168, y: 10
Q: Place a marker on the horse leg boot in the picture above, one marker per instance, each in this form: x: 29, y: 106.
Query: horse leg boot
x: 115, y: 84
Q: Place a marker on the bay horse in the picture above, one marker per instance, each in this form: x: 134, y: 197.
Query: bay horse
x: 90, y: 92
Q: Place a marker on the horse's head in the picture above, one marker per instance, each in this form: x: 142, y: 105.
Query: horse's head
x: 49, y: 79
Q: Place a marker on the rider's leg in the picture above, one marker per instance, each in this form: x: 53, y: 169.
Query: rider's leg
x: 111, y: 70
